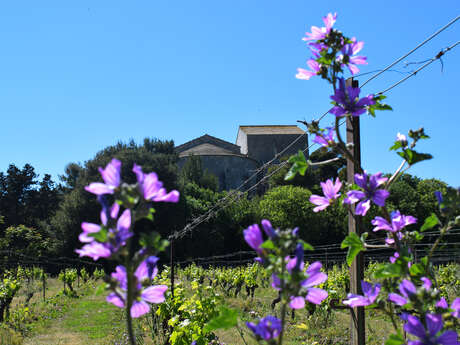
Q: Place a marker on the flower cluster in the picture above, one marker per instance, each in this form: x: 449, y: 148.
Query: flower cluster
x: 347, y: 101
x: 283, y: 255
x: 131, y: 283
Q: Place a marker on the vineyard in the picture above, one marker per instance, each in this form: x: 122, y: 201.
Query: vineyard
x: 31, y: 303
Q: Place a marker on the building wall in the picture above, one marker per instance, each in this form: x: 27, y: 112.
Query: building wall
x: 264, y: 147
x: 231, y: 170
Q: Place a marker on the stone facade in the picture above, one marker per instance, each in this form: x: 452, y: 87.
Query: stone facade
x: 255, y: 145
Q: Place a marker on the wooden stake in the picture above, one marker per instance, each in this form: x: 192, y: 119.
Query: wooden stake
x: 358, y: 336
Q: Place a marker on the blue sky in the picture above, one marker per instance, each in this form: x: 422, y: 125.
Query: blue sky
x: 77, y: 76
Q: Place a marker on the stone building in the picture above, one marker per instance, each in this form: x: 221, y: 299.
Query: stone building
x: 231, y: 163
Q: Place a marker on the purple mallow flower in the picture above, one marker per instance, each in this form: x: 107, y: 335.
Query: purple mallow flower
x: 351, y: 49
x: 147, y: 270
x: 348, y: 102
x: 111, y: 177
x: 406, y: 288
x: 115, y: 237
x: 429, y: 336
x: 370, y: 294
x: 304, y: 74
x: 455, y: 306
x: 152, y: 188
x: 253, y: 237
x: 371, y: 192
x: 268, y: 328
x: 325, y: 139
x: 321, y: 33
x: 398, y: 222
x: 314, y: 295
x: 331, y: 192
x: 268, y: 228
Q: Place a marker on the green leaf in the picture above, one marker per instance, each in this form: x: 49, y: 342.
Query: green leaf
x: 101, y: 289
x: 394, y: 339
x: 413, y: 157
x: 354, y: 244
x: 306, y: 245
x: 299, y: 166
x: 396, y: 145
x: 101, y: 235
x: 226, y: 319
x: 388, y: 271
x: 416, y: 270
x: 430, y: 222
x: 268, y: 244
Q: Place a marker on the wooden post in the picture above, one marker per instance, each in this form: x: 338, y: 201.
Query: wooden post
x: 171, y: 247
x: 358, y: 336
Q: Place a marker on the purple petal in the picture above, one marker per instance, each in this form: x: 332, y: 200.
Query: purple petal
x: 94, y: 250
x: 434, y: 323
x: 456, y: 307
x: 426, y: 283
x: 154, y: 294
x: 381, y: 224
x: 315, y: 279
x: 297, y: 302
x: 139, y: 308
x: 397, y: 299
x: 363, y: 207
x: 268, y: 228
x: 442, y: 303
x: 115, y: 300
x: 151, y: 186
x: 316, y: 296
x: 172, y: 196
x: 448, y: 338
x: 414, y: 326
x: 120, y: 275
x: 407, y: 288
x: 98, y: 188
x: 253, y: 237
x: 380, y: 196
x: 314, y: 268
x: 111, y: 173
x: 322, y: 202
x: 147, y: 269
x: 114, y: 210
x: 139, y: 174
x: 124, y: 222
x: 354, y: 196
x: 356, y: 301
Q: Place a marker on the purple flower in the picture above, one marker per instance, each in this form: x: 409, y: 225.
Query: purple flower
x: 314, y: 295
x: 268, y: 328
x: 268, y: 228
x: 331, y: 192
x: 406, y: 288
x: 351, y: 49
x: 456, y: 307
x: 348, y: 102
x: 315, y: 69
x: 371, y: 192
x: 398, y: 222
x: 147, y: 270
x: 152, y: 188
x: 327, y: 139
x: 321, y: 33
x: 296, y: 263
x: 111, y: 177
x: 370, y: 295
x: 394, y: 257
x: 253, y: 237
x: 429, y: 336
x: 115, y: 237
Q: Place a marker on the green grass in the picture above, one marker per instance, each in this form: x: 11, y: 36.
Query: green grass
x: 92, y: 316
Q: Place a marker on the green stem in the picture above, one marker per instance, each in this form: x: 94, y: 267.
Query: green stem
x: 283, y: 320
x: 129, y: 302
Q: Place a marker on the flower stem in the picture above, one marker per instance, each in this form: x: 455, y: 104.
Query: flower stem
x: 283, y: 320
x: 129, y: 303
